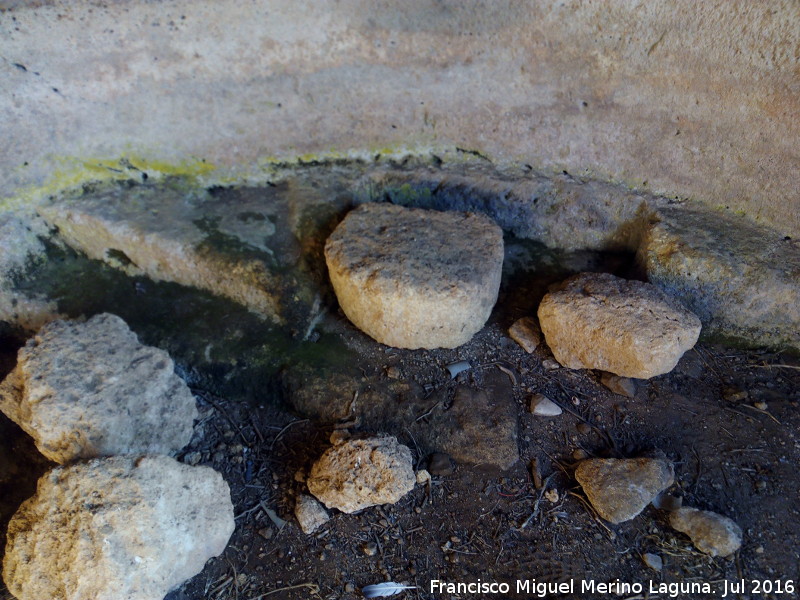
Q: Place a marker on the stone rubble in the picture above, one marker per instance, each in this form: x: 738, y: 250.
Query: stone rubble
x: 84, y: 390
x: 414, y: 278
x: 360, y: 473
x: 629, y: 328
x: 619, y: 489
x: 114, y: 528
x: 710, y: 532
x: 310, y: 514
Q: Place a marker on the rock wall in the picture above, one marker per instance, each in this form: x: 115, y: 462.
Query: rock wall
x: 681, y: 98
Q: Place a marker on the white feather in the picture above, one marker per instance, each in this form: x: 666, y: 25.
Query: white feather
x: 389, y: 588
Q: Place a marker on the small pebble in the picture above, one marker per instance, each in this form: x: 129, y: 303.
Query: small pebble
x: 525, y: 332
x: 653, y: 561
x: 622, y: 386
x: 349, y: 588
x: 761, y: 405
x: 542, y: 406
x: 579, y: 454
x: 393, y: 372
x: 370, y: 548
x: 583, y: 427
x: 734, y: 394
x: 549, y: 364
x: 423, y: 476
x: 552, y: 495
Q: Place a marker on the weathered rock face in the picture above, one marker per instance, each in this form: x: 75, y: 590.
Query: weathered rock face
x: 20, y: 247
x: 619, y: 489
x: 188, y: 236
x: 361, y: 473
x: 120, y: 528
x: 414, y: 278
x: 712, y: 533
x: 630, y: 328
x: 83, y: 390
x: 743, y: 281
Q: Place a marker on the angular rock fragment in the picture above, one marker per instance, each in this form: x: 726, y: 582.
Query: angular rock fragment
x: 741, y: 279
x: 311, y: 515
x: 629, y: 328
x: 362, y: 472
x: 120, y: 527
x: 710, y: 532
x: 542, y: 406
x: 525, y: 332
x: 619, y: 489
x: 414, y: 278
x: 622, y: 386
x: 83, y: 390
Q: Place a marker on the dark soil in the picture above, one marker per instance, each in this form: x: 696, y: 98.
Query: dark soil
x: 478, y: 523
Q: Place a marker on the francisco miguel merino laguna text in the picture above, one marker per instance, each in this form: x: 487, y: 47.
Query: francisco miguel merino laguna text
x: 541, y: 589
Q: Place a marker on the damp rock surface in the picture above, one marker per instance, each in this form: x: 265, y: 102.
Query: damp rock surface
x: 119, y: 528
x: 414, y: 278
x: 629, y: 328
x: 710, y: 532
x: 84, y: 390
x: 742, y: 280
x: 362, y: 472
x: 619, y: 489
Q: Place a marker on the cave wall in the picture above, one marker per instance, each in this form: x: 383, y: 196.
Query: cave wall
x: 682, y: 98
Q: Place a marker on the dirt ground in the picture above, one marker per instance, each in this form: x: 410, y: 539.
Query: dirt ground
x: 478, y: 523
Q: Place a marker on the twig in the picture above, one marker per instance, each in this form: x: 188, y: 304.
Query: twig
x: 535, y: 512
x: 508, y: 372
x: 764, y: 412
x: 281, y: 432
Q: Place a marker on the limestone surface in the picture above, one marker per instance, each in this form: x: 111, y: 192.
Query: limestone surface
x: 414, y: 278
x: 742, y: 280
x: 619, y: 489
x: 629, y: 328
x: 84, y: 390
x: 362, y: 472
x: 120, y: 528
x: 710, y: 532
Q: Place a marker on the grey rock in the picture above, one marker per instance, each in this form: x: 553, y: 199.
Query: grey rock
x: 741, y: 279
x: 311, y: 515
x: 414, y: 278
x: 362, y: 472
x: 629, y: 328
x: 654, y: 561
x: 542, y: 406
x: 710, y: 532
x: 619, y: 489
x: 622, y: 386
x: 128, y: 528
x: 83, y: 390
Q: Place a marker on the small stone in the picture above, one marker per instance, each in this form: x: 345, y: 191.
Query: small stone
x: 542, y: 406
x: 629, y: 328
x: 761, y: 405
x: 423, y: 477
x: 300, y: 476
x: 552, y: 495
x: 550, y: 365
x: 310, y: 513
x: 119, y: 527
x: 622, y: 386
x: 266, y: 533
x: 362, y: 472
x: 192, y: 458
x: 525, y: 332
x: 579, y: 454
x: 710, y: 532
x: 415, y: 278
x: 370, y: 548
x: 653, y: 561
x: 349, y: 588
x: 583, y: 428
x: 440, y: 465
x: 85, y: 390
x: 393, y: 372
x: 619, y: 489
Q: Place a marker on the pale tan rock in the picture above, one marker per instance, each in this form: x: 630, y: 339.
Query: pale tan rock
x: 619, y: 489
x: 622, y: 386
x: 414, y: 278
x: 526, y: 333
x: 629, y: 328
x: 311, y: 515
x: 117, y: 528
x: 542, y: 406
x: 710, y: 532
x: 84, y: 390
x: 361, y: 473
